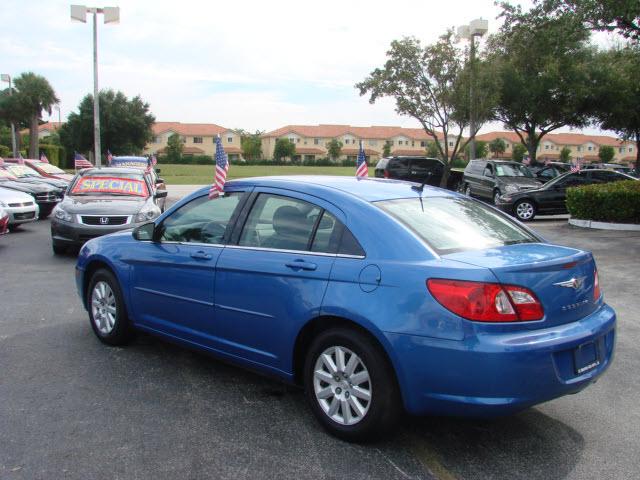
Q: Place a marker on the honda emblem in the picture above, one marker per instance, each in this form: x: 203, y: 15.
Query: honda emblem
x: 104, y: 220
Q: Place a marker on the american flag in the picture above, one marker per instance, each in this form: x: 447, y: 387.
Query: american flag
x: 362, y: 170
x: 575, y: 168
x: 43, y: 158
x: 154, y: 160
x: 81, y: 162
x: 20, y: 159
x: 222, y: 167
x: 526, y: 160
x: 109, y: 157
x: 149, y: 165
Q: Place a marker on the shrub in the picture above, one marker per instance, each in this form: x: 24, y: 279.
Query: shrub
x: 55, y: 154
x: 617, y: 202
x: 349, y: 163
x: 5, y: 151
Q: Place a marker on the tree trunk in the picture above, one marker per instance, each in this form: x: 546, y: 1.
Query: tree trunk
x: 532, y: 148
x: 445, y: 175
x: 33, y: 137
x: 637, y: 153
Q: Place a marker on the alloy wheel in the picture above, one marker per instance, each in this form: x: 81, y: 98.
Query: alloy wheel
x: 103, y: 307
x: 342, y: 385
x: 524, y: 210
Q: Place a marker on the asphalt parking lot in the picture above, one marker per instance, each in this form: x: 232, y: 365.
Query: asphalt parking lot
x: 72, y: 408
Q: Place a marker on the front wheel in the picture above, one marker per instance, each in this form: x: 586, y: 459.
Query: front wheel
x: 107, y: 311
x: 496, y: 197
x: 350, y: 385
x: 525, y: 210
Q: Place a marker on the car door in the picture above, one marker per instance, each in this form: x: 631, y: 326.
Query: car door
x: 172, y: 277
x: 487, y: 182
x: 555, y: 196
x: 273, y: 274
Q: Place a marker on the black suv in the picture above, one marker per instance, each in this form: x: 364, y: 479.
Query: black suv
x: 490, y: 179
x: 417, y: 169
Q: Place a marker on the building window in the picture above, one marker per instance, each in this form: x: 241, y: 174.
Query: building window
x: 197, y: 139
x: 292, y: 140
x: 423, y: 144
x: 546, y: 147
x: 579, y: 149
x: 184, y: 139
x: 621, y: 150
x: 413, y: 144
x: 630, y: 149
x: 316, y: 141
x: 390, y: 143
x: 451, y: 144
x: 590, y: 148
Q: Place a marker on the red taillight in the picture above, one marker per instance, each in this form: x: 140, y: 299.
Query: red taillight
x: 486, y: 302
x: 596, y: 286
x: 386, y: 174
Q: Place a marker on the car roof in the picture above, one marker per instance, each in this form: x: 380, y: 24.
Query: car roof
x: 325, y: 186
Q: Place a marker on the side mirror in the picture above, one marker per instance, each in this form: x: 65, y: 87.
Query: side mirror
x: 144, y: 232
x: 160, y: 194
x: 158, y: 171
x: 159, y: 180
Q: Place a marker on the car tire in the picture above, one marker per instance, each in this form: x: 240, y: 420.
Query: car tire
x: 496, y: 196
x: 351, y: 411
x: 525, y: 210
x: 14, y: 227
x: 58, y: 249
x: 107, y: 311
x: 467, y: 190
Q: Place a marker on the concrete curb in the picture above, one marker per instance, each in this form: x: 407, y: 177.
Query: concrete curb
x: 629, y: 227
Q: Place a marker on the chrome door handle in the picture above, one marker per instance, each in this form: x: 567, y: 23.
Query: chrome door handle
x: 301, y: 265
x: 200, y: 255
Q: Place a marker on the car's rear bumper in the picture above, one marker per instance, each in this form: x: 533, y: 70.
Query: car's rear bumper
x: 76, y: 234
x: 497, y: 374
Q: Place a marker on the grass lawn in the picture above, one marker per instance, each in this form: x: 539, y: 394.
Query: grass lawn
x: 175, y: 174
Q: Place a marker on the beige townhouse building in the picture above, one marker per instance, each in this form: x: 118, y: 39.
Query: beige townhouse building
x: 584, y: 147
x: 311, y: 141
x: 198, y: 139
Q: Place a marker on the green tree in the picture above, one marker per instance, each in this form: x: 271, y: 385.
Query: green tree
x: 497, y: 147
x: 432, y: 150
x: 565, y: 155
x: 175, y: 147
x: 251, y: 144
x: 543, y: 65
x: 386, y: 149
x: 518, y: 152
x: 284, y: 148
x: 431, y: 84
x: 482, y: 149
x: 34, y: 95
x: 334, y: 149
x: 125, y: 125
x: 617, y: 93
x: 606, y: 153
x: 622, y: 16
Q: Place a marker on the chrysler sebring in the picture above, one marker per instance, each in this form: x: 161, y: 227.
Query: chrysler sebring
x: 376, y: 296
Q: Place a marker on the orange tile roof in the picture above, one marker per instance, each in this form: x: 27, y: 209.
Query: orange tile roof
x: 309, y: 151
x: 408, y: 153
x: 191, y: 129
x: 354, y: 151
x: 557, y: 138
x: 187, y: 150
x: 332, y: 131
x: 51, y: 126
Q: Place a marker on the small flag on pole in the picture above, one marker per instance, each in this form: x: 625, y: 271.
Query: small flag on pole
x: 575, y: 168
x: 80, y: 162
x: 154, y: 160
x: 222, y: 167
x: 149, y: 165
x: 43, y: 158
x: 20, y: 159
x: 109, y: 157
x: 362, y: 170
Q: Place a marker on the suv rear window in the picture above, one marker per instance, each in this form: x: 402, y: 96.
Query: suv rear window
x: 450, y: 224
x: 475, y: 167
x: 382, y: 164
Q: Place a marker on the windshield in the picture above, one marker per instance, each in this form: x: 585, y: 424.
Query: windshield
x: 117, y: 184
x: 456, y: 224
x: 5, y: 175
x: 22, y: 171
x: 511, y: 170
x: 48, y: 168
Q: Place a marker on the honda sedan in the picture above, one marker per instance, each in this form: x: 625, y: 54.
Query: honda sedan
x: 376, y: 296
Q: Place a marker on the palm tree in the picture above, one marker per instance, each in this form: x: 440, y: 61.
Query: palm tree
x: 37, y: 94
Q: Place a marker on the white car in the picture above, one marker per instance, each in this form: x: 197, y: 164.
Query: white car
x: 21, y: 207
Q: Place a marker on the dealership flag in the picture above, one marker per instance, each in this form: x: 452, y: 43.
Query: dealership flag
x: 20, y: 159
x: 362, y: 170
x: 575, y: 168
x: 109, y: 157
x: 154, y: 160
x: 43, y: 158
x: 222, y: 167
x: 81, y: 162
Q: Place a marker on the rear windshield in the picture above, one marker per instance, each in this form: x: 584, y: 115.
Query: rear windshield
x: 48, y: 168
x: 512, y: 170
x: 450, y: 224
x: 115, y: 184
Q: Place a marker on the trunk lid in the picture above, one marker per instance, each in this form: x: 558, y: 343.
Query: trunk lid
x: 561, y: 277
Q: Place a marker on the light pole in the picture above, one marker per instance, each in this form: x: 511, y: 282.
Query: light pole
x: 7, y: 78
x: 477, y: 28
x: 57, y: 107
x: 111, y: 15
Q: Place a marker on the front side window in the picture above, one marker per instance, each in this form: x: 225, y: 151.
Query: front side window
x: 455, y: 224
x: 201, y: 220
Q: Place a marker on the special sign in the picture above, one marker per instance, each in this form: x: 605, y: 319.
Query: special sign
x: 126, y: 186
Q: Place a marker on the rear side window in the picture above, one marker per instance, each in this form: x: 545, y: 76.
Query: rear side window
x: 475, y: 167
x: 456, y: 224
x: 382, y: 164
x: 399, y: 163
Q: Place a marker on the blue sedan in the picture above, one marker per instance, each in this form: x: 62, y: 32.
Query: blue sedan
x: 377, y: 296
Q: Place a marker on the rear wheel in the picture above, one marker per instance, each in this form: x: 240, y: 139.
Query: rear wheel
x: 524, y: 210
x: 350, y: 385
x: 107, y: 311
x: 496, y: 196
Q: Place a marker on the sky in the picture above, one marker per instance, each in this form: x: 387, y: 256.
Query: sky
x: 245, y: 64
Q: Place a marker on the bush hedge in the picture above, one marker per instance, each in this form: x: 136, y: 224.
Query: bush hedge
x: 616, y: 202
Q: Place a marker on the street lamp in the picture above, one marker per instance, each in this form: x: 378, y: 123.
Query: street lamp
x: 477, y: 28
x: 57, y: 107
x: 5, y: 77
x: 111, y: 15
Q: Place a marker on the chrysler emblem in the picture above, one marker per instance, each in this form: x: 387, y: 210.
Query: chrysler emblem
x: 104, y: 220
x: 575, y: 283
